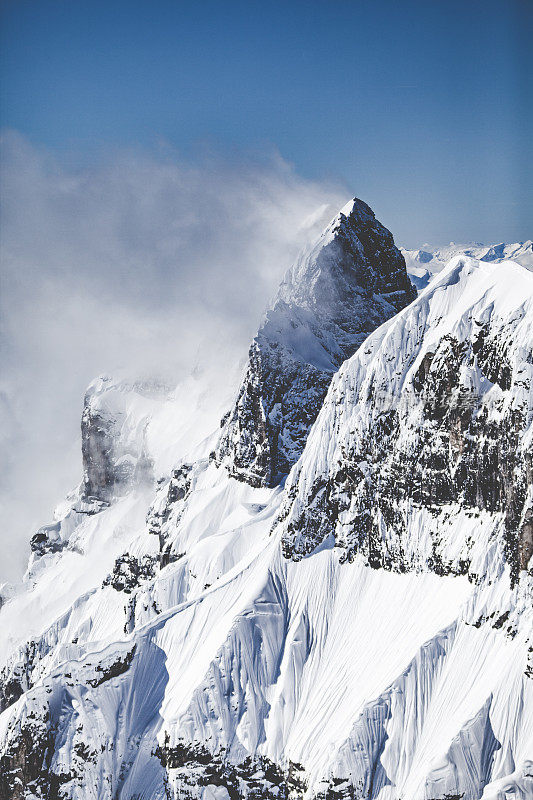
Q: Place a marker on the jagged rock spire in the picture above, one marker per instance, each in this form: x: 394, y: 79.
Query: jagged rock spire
x: 350, y: 281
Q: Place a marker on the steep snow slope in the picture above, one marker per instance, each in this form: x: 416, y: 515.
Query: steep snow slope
x: 421, y: 458
x: 346, y: 284
x: 362, y: 632
x: 423, y: 264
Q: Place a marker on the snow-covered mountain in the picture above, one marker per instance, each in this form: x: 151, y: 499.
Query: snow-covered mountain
x: 349, y: 281
x: 194, y: 625
x: 423, y: 263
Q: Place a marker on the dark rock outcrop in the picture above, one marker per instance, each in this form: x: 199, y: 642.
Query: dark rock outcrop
x: 129, y: 572
x: 254, y: 778
x: 170, y: 503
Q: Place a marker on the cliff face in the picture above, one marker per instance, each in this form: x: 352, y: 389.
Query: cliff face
x: 115, y: 455
x: 349, y: 282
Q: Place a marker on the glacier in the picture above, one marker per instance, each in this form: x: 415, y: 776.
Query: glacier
x: 328, y: 594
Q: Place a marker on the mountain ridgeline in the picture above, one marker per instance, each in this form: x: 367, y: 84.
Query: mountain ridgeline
x: 328, y: 597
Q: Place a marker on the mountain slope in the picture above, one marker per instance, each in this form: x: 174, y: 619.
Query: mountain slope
x: 362, y: 631
x: 433, y: 412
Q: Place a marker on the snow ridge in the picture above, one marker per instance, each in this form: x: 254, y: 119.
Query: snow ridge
x: 423, y: 264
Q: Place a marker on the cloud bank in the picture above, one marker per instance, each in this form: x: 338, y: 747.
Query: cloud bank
x: 136, y: 265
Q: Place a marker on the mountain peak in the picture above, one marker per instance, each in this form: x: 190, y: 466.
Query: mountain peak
x: 354, y: 257
x: 356, y: 209
x: 349, y: 281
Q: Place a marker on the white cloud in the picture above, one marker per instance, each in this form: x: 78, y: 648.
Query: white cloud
x: 134, y: 264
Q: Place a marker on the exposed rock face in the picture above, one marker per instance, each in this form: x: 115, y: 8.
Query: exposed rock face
x: 433, y: 414
x: 112, y: 441
x: 193, y: 766
x: 32, y: 762
x: 129, y: 572
x: 24, y: 765
x: 165, y: 511
x: 350, y: 281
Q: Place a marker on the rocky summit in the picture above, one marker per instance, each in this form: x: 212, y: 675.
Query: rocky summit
x: 350, y: 281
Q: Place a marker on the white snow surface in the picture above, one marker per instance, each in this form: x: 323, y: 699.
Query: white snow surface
x: 361, y: 675
x: 423, y: 263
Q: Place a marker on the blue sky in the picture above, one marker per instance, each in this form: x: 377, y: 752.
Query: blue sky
x: 420, y: 108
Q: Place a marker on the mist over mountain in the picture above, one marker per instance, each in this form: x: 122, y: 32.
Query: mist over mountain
x: 304, y: 575
x: 138, y: 264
